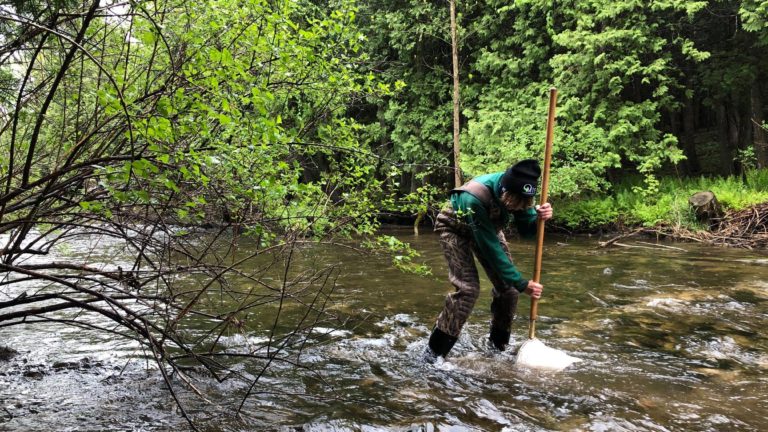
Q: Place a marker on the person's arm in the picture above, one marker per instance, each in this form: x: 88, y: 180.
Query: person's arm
x: 488, y: 244
x: 525, y: 222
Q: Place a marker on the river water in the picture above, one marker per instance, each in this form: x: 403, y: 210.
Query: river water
x: 671, y: 339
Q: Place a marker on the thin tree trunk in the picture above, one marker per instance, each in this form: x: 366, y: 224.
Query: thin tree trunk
x: 455, y: 54
x: 735, y: 138
x: 689, y: 144
x: 54, y: 86
x: 726, y: 158
x: 759, y: 135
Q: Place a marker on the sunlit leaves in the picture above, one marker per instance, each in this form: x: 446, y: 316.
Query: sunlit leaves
x: 754, y: 14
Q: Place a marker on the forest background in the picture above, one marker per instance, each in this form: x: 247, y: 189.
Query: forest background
x: 657, y: 100
x: 177, y: 128
x: 654, y: 95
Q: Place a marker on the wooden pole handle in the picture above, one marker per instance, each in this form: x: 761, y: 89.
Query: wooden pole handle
x: 542, y: 200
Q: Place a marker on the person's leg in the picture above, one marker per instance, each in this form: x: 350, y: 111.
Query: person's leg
x: 504, y: 303
x: 462, y: 273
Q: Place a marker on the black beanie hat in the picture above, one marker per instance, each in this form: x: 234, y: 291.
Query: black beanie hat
x: 521, y: 178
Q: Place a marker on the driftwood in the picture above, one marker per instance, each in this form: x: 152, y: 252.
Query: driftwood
x: 661, y: 246
x: 612, y: 241
x: 746, y: 228
x: 706, y: 207
x: 646, y: 245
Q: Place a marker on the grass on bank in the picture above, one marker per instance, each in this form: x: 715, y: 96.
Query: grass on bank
x: 626, y: 208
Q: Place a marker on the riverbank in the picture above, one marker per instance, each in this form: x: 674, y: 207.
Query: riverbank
x: 668, y: 212
x: 746, y: 228
x: 627, y: 211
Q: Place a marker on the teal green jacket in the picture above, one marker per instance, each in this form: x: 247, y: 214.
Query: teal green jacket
x: 484, y: 228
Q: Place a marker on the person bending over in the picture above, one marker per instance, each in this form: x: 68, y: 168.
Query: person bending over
x: 472, y: 224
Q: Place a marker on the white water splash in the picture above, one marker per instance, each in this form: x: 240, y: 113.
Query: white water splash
x: 669, y: 304
x: 331, y: 332
x: 534, y: 354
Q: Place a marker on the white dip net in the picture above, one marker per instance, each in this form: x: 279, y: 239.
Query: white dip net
x: 534, y: 354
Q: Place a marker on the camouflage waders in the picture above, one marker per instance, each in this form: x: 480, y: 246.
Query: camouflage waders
x: 458, y: 246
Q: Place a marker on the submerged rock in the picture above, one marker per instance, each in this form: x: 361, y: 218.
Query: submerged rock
x: 6, y: 353
x: 83, y: 364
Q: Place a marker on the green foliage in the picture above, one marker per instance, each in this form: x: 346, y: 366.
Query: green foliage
x: 407, y: 40
x: 747, y: 158
x: 587, y: 213
x: 422, y: 200
x: 308, y: 118
x: 617, y: 72
x: 623, y: 70
x: 754, y: 15
x: 669, y: 206
x: 613, y: 64
x: 230, y: 112
x: 735, y: 194
x: 265, y: 125
x: 758, y: 179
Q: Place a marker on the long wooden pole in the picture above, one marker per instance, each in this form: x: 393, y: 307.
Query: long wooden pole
x: 455, y: 55
x: 542, y: 200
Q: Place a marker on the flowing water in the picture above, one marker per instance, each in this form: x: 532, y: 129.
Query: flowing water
x: 670, y: 340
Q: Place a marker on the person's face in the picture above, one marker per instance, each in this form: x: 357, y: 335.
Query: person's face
x: 515, y: 202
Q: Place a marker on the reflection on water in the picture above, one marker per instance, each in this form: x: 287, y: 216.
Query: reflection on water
x: 669, y: 340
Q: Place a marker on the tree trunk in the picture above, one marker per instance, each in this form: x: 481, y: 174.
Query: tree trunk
x: 734, y: 138
x: 706, y: 208
x: 692, y: 164
x: 414, y: 185
x: 726, y: 157
x: 455, y: 55
x: 759, y: 135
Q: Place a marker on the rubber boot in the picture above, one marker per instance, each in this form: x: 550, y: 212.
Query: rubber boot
x: 440, y: 342
x: 499, y: 338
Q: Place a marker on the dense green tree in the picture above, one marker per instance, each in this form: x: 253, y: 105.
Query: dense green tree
x: 409, y: 40
x: 642, y: 85
x: 619, y: 64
